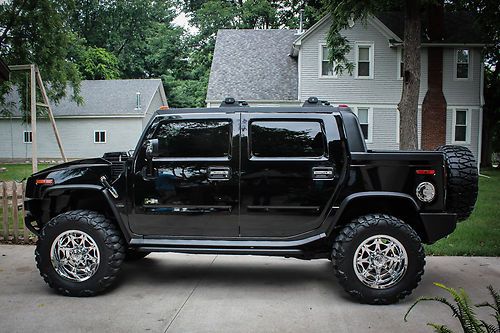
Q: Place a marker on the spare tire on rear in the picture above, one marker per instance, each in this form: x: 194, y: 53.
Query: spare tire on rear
x: 462, y: 180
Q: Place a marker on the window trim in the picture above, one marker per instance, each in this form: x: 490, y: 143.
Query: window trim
x: 371, y: 59
x: 30, y: 135
x: 468, y: 125
x: 253, y: 157
x: 320, y: 64
x: 105, y: 136
x: 398, y: 125
x: 370, y: 119
x: 455, y: 64
x: 399, y: 74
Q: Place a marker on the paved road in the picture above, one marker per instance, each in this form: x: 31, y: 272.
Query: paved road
x: 206, y: 293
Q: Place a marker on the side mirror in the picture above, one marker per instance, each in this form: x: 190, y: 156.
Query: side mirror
x: 152, y: 148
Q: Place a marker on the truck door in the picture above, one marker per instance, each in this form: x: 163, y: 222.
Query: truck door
x: 290, y: 165
x: 193, y: 188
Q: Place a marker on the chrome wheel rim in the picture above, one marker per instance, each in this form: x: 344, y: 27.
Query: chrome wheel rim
x: 380, y: 261
x: 75, y: 255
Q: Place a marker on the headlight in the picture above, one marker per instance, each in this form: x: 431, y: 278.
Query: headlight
x: 426, y: 192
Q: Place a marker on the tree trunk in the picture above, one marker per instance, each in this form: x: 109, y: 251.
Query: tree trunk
x: 408, y: 106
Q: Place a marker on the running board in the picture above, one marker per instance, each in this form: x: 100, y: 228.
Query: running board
x: 237, y: 251
x: 222, y: 244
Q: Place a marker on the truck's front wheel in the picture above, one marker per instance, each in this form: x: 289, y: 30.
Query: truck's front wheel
x: 79, y: 253
x: 378, y: 259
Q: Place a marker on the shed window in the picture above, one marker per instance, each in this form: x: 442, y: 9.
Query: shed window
x: 99, y: 136
x: 27, y: 136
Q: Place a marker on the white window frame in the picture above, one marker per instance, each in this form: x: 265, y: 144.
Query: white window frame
x: 468, y: 124
x: 399, y: 74
x: 105, y: 136
x: 371, y: 59
x: 370, y: 120
x: 24, y: 137
x: 320, y: 64
x: 455, y: 64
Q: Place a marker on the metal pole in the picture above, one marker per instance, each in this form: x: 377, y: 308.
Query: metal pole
x: 51, y: 115
x: 34, y: 159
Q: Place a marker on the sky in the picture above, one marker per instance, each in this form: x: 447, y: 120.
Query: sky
x: 182, y: 21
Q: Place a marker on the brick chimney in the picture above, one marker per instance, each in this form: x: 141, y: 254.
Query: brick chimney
x: 434, y: 105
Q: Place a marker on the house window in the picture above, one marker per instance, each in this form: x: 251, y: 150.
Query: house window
x: 364, y: 61
x: 27, y: 137
x: 365, y: 117
x: 461, y: 126
x: 99, y: 136
x: 325, y: 64
x: 462, y: 57
x: 400, y: 63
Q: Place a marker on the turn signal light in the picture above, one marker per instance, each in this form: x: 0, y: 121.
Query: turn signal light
x: 47, y: 181
x: 426, y: 172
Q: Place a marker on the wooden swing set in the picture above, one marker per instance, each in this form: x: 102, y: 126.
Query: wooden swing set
x: 36, y: 80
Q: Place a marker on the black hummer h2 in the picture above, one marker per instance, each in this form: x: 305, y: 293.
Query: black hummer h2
x: 290, y: 181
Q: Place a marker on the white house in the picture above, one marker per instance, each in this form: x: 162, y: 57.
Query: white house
x: 111, y: 118
x: 284, y: 67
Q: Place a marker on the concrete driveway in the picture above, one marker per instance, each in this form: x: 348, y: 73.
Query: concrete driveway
x: 206, y: 293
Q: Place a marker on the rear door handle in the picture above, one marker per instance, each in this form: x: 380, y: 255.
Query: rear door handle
x: 323, y: 173
x: 219, y: 173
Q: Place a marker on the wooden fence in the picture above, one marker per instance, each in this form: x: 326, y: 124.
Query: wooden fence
x: 12, y: 225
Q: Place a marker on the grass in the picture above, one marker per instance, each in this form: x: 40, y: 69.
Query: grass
x: 18, y: 171
x: 479, y: 235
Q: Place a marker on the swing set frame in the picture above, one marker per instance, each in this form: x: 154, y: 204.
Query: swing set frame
x: 36, y: 80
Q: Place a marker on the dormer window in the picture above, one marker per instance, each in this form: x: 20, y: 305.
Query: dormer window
x: 462, y: 64
x: 326, y: 66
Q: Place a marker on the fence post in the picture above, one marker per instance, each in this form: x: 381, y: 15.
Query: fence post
x: 15, y: 212
x: 5, y: 212
x: 26, y: 235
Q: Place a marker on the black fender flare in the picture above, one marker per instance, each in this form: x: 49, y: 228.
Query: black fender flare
x: 351, y: 199
x: 59, y: 189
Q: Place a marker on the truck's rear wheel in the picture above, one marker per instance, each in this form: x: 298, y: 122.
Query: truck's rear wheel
x: 462, y: 180
x: 79, y: 253
x: 378, y: 259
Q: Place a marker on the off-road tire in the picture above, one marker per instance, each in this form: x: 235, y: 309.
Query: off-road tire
x: 109, y: 241
x: 462, y: 180
x: 360, y: 229
x: 135, y: 255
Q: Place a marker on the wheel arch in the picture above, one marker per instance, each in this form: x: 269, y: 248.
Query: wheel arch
x: 63, y: 198
x: 399, y: 205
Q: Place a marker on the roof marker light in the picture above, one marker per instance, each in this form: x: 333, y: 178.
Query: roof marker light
x: 343, y: 106
x: 164, y: 107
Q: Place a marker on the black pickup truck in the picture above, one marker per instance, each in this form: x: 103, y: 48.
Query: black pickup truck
x: 290, y: 181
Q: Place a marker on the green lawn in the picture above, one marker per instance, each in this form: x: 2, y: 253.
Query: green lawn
x: 18, y: 171
x: 480, y: 234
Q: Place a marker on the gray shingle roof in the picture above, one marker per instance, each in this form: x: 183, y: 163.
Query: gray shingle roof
x: 253, y: 65
x: 102, y: 97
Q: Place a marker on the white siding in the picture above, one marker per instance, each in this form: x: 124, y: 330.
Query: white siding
x: 155, y: 104
x: 77, y: 136
x: 461, y: 92
x: 216, y: 104
x: 384, y: 88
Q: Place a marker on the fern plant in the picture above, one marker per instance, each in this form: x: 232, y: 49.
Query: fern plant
x: 464, y: 311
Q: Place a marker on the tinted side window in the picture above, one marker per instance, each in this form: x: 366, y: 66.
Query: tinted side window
x: 287, y: 139
x: 195, y: 138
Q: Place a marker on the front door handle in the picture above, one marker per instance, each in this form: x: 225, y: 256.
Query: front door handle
x: 323, y: 173
x: 219, y: 173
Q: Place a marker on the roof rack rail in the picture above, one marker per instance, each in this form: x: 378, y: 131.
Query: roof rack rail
x: 314, y: 101
x: 229, y: 101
